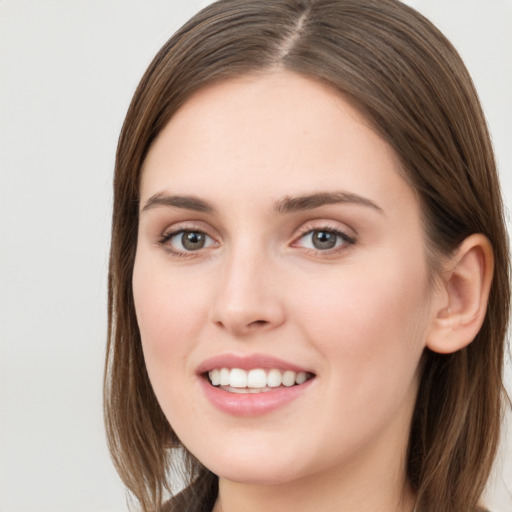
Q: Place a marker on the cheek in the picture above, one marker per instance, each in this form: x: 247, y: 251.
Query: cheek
x: 169, y: 314
x: 369, y: 328
x: 371, y: 321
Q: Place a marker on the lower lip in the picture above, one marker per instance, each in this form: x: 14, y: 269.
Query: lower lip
x: 252, y: 404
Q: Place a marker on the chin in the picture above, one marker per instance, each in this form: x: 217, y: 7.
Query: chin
x: 246, y: 473
x: 256, y: 467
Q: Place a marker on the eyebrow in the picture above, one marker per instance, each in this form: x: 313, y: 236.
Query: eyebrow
x: 178, y: 201
x: 287, y: 204
x: 311, y: 201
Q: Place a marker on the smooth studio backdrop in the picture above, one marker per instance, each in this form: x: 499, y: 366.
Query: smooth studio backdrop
x: 68, y: 70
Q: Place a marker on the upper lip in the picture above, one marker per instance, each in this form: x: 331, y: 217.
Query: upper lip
x: 247, y: 362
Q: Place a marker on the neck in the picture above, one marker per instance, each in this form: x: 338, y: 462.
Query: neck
x: 232, y: 498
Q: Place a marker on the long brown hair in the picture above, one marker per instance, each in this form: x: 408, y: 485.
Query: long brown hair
x: 410, y: 83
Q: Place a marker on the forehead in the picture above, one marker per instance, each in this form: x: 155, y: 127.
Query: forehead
x: 273, y: 134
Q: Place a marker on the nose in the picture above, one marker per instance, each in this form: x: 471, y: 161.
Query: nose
x: 248, y: 299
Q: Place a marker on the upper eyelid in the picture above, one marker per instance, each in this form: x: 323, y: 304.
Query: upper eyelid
x: 346, y: 238
x: 167, y: 235
x: 326, y: 225
x: 304, y: 228
x: 190, y: 225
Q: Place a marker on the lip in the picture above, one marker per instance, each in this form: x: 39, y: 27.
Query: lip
x: 248, y: 362
x: 250, y: 404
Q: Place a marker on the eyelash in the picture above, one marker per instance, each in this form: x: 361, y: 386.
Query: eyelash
x: 346, y: 240
x: 168, y: 236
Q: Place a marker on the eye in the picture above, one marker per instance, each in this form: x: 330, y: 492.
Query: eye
x: 324, y: 239
x: 187, y: 241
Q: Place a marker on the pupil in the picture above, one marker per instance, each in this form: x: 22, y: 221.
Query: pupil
x: 193, y: 240
x: 324, y: 240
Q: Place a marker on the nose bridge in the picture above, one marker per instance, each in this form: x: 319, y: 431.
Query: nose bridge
x: 247, y: 296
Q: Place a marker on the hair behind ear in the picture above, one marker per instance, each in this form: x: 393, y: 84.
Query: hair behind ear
x: 455, y: 428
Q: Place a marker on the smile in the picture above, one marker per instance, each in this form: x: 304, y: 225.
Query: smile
x: 253, y: 384
x: 256, y: 380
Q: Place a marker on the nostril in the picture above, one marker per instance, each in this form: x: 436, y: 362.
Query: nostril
x: 258, y: 323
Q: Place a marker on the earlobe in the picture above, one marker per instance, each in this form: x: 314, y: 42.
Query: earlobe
x: 462, y: 296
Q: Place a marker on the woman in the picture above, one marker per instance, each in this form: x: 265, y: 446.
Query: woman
x: 309, y: 286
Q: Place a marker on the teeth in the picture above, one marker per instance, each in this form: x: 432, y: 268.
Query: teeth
x: 288, y: 378
x: 238, y: 378
x: 215, y: 377
x: 301, y: 378
x: 274, y: 379
x: 255, y: 379
x: 224, y: 377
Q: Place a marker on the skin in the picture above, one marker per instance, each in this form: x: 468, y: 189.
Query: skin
x: 358, y: 316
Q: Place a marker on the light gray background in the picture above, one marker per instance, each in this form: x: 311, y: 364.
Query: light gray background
x: 67, y: 72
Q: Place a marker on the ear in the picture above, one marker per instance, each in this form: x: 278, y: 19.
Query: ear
x: 460, y: 301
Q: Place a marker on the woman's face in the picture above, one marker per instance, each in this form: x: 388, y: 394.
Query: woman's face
x: 280, y: 249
